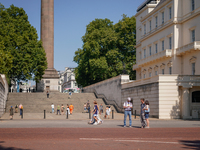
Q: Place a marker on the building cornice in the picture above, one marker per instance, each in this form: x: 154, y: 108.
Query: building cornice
x: 156, y: 9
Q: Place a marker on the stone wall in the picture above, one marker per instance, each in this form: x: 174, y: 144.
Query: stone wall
x: 109, y: 90
x: 3, y: 93
x: 147, y: 91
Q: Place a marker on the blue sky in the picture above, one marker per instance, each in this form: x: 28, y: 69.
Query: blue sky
x: 70, y: 20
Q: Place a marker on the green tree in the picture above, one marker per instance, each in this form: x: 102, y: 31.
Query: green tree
x: 106, y: 47
x: 126, y: 41
x: 20, y: 46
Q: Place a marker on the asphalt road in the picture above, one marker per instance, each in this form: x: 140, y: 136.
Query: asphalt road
x: 99, y: 138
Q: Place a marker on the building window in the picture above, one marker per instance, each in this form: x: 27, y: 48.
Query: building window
x: 163, y: 17
x: 156, y: 47
x: 170, y: 42
x: 170, y: 70
x: 156, y: 73
x: 163, y: 45
x: 163, y: 71
x: 193, y: 35
x: 150, y: 25
x: 192, y: 4
x: 156, y: 21
x: 193, y: 68
x: 144, y: 28
x: 170, y: 12
x: 150, y: 51
x: 144, y: 76
x: 47, y: 81
x: 149, y: 74
x: 196, y: 97
x: 144, y: 53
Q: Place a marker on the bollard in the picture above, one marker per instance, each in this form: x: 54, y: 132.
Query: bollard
x: 112, y: 114
x: 135, y: 114
x: 89, y: 115
x: 44, y: 114
x: 67, y: 114
x: 22, y: 114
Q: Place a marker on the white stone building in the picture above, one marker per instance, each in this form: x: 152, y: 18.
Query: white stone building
x: 168, y: 52
x: 69, y: 81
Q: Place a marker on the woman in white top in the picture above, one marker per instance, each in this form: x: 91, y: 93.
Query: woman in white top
x: 147, y: 110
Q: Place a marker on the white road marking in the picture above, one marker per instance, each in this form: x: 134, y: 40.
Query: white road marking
x: 139, y: 141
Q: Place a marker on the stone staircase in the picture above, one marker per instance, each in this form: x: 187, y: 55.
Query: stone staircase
x: 38, y: 102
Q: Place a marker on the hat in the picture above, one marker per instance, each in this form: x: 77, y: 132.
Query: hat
x: 129, y: 99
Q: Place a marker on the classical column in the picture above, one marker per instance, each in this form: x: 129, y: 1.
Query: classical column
x: 47, y: 30
x: 50, y: 78
x: 186, y: 103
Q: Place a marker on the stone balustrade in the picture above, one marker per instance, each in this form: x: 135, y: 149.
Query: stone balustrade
x: 155, y: 57
x: 187, y: 48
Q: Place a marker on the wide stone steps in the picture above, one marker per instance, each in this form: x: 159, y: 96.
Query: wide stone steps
x: 38, y: 102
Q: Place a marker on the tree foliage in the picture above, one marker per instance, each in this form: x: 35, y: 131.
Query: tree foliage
x: 106, y: 47
x: 22, y: 54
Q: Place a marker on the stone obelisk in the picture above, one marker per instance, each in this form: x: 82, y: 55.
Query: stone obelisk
x: 50, y: 78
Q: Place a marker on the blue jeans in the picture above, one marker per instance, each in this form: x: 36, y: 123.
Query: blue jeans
x: 125, y: 115
x: 52, y: 110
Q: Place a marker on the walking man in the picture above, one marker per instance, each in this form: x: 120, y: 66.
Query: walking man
x: 142, y: 115
x: 128, y: 106
x: 47, y: 94
x: 58, y: 110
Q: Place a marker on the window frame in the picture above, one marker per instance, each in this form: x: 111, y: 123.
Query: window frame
x: 150, y: 25
x: 156, y: 72
x: 170, y: 13
x: 192, y: 5
x: 163, y: 17
x: 193, y: 68
x: 156, y: 21
x: 144, y: 53
x: 170, y: 70
x: 145, y: 29
x: 156, y: 48
x: 150, y: 74
x: 192, y: 35
x: 170, y: 42
x: 150, y: 52
x: 163, y: 71
x: 163, y: 45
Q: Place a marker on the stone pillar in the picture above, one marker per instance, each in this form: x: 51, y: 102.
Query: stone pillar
x: 186, y: 103
x: 50, y: 78
x: 47, y: 30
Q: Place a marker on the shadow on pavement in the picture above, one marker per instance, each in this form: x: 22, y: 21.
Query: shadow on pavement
x: 127, y: 126
x: 191, y: 144
x: 10, y: 148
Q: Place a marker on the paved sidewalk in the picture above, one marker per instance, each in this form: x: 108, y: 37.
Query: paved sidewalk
x: 74, y: 116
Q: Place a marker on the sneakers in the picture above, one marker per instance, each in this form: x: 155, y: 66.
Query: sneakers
x: 124, y: 126
x: 147, y: 127
x: 130, y: 126
x: 95, y: 123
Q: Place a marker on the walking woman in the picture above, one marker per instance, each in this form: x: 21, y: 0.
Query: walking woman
x: 96, y: 112
x: 146, y: 111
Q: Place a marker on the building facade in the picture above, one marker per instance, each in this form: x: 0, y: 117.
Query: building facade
x: 69, y: 81
x: 168, y: 53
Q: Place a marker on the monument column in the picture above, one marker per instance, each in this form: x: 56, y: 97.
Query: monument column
x: 50, y: 78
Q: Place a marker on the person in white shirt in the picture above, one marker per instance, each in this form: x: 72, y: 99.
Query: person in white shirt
x: 146, y: 112
x: 128, y: 106
x: 52, y: 107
